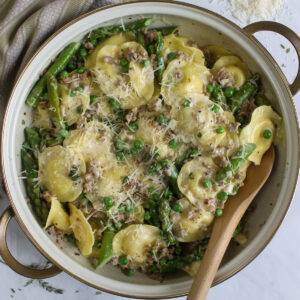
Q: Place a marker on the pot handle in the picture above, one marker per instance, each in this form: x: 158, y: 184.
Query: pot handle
x: 288, y: 34
x: 11, y: 261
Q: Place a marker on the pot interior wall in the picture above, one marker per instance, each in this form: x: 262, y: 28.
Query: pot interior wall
x: 205, y: 30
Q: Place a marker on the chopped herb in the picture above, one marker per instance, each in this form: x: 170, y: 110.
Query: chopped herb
x: 282, y: 46
x: 45, y: 285
x: 288, y: 50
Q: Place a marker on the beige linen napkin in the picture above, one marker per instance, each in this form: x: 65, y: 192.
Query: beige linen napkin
x: 24, y: 25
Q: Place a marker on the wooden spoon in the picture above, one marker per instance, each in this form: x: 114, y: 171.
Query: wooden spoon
x: 225, y: 225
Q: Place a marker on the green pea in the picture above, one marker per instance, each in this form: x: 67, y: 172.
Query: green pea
x: 160, y: 119
x: 218, y: 212
x: 235, y: 190
x: 147, y: 216
x: 186, y: 103
x: 123, y: 260
x: 209, y: 88
x: 222, y: 196
x: 158, y: 166
x: 123, y: 62
x: 220, y: 130
x: 119, y: 144
x: 125, y: 69
x: 215, y: 109
x: 122, y: 208
x: 145, y: 63
x: 79, y: 89
x: 168, y: 193
x: 129, y: 272
x: 94, y: 42
x: 120, y: 156
x: 267, y: 134
x: 71, y: 66
x: 177, y: 207
x: 109, y: 202
x: 138, y: 144
x: 173, y: 144
x: 113, y: 102
x: 171, y: 55
x: 83, y: 52
x: 133, y: 127
x: 206, y: 183
x: 134, y: 151
x: 63, y: 133
x: 93, y: 99
x: 80, y: 70
x: 229, y: 92
x: 217, y: 89
x: 63, y: 73
x: 199, y: 135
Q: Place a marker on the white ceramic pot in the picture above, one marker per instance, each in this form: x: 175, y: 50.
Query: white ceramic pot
x: 206, y: 28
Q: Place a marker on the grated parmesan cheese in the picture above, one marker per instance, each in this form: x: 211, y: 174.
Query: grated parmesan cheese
x: 247, y: 11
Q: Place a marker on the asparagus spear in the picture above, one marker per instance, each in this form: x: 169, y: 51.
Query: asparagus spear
x: 181, y: 158
x: 164, y: 213
x: 34, y: 140
x: 32, y: 187
x: 106, y: 252
x: 55, y: 111
x: 172, y: 178
x: 141, y: 39
x: 59, y: 64
x: 167, y: 30
x: 245, y: 92
x: 159, y: 55
x: 235, y: 162
x: 104, y: 32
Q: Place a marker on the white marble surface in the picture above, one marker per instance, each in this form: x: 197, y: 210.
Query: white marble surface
x: 273, y: 275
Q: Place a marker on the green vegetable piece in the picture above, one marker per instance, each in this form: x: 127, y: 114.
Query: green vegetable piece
x: 106, y: 252
x: 139, y: 24
x: 218, y: 212
x: 108, y: 202
x: 83, y: 52
x: 147, y: 216
x: 159, y: 56
x: 59, y: 64
x: 217, y: 89
x: 34, y: 140
x: 141, y: 39
x: 79, y: 110
x: 215, y: 109
x: 168, y: 193
x: 63, y: 133
x: 220, y: 129
x: 207, y: 183
x: 71, y: 66
x: 138, y: 144
x: 151, y: 49
x: 71, y: 238
x: 167, y: 30
x: 120, y: 156
x: 55, y: 112
x: 267, y: 134
x: 199, y: 134
x: 124, y: 62
x: 79, y: 89
x: 186, y: 103
x: 177, y: 207
x: 123, y: 260
x: 113, y: 102
x: 235, y: 162
x: 80, y: 70
x: 134, y: 151
x: 229, y: 92
x: 245, y: 92
x: 222, y: 196
x: 122, y: 208
x: 261, y: 100
x: 209, y: 88
x: 119, y: 144
x: 173, y: 144
x: 133, y: 127
x: 164, y: 214
x: 94, y: 42
x: 93, y: 99
x: 145, y: 63
x: 172, y: 179
x: 63, y: 74
x: 178, y: 250
x: 171, y: 55
x: 160, y: 119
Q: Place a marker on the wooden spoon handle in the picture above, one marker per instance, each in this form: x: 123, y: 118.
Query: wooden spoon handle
x: 221, y: 235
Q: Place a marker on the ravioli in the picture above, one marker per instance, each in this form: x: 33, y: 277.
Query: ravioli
x: 135, y: 241
x: 55, y: 165
x: 263, y: 118
x: 82, y: 231
x: 191, y: 224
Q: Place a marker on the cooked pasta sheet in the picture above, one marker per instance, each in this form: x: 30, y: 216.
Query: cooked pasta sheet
x: 138, y: 140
